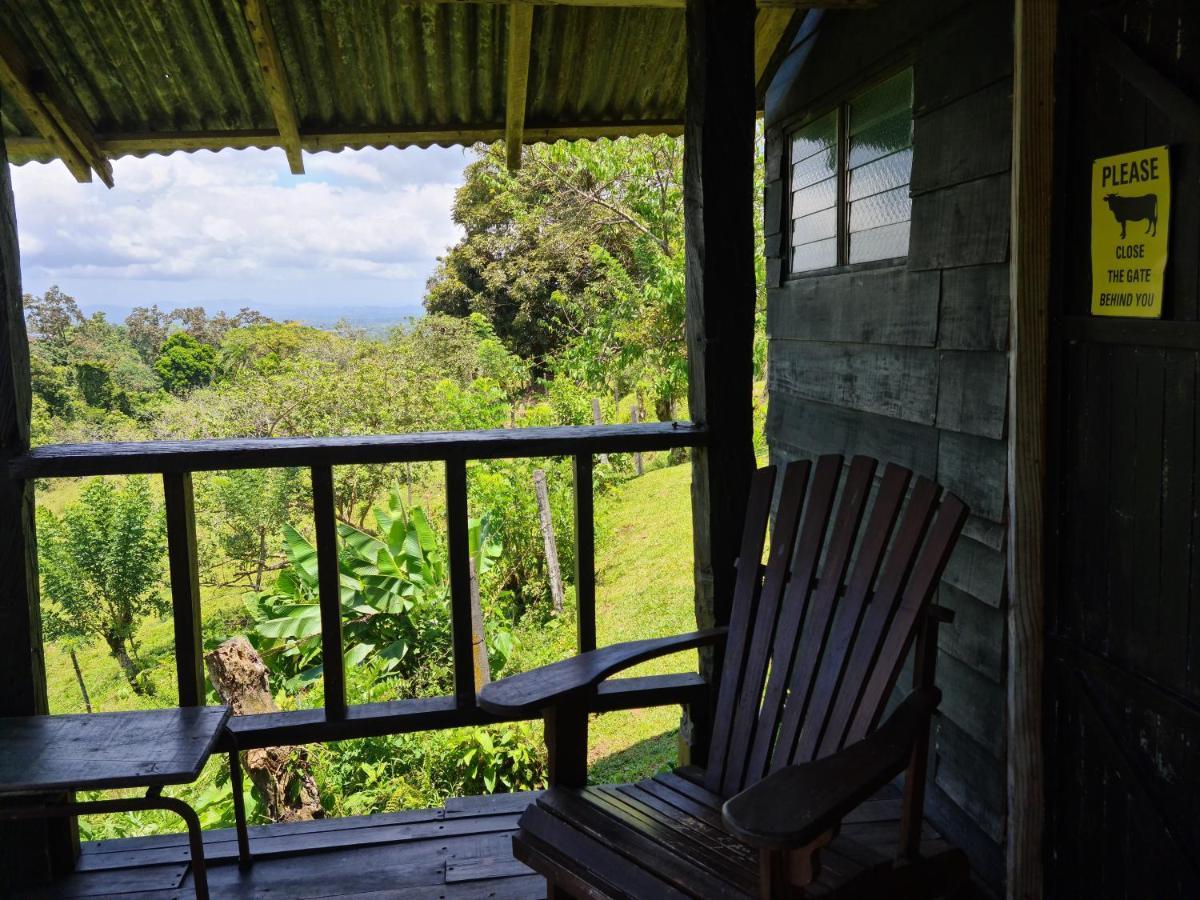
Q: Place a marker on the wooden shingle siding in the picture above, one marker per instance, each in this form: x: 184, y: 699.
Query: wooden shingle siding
x: 973, y: 393
x: 908, y: 362
x: 969, y: 52
x: 880, y: 306
x: 962, y: 225
x: 900, y: 382
x: 970, y: 777
x: 976, y: 636
x: 964, y: 140
x: 974, y: 468
x: 974, y: 308
x: 978, y: 570
x: 803, y: 428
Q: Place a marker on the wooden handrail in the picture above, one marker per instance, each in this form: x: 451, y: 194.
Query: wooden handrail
x: 339, y: 719
x: 156, y: 457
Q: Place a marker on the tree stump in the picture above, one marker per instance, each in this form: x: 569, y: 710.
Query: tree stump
x: 282, y: 775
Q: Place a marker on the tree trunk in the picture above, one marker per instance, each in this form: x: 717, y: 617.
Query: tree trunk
x: 555, y: 573
x: 483, y: 669
x: 282, y: 775
x: 87, y: 701
x: 262, y: 558
x: 116, y: 649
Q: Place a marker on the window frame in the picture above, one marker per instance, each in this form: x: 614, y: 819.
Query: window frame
x: 841, y: 110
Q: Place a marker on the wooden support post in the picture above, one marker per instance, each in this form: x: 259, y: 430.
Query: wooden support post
x: 639, y: 468
x: 30, y: 851
x: 553, y: 570
x: 1035, y: 32
x: 459, y: 540
x: 598, y: 419
x: 566, y: 731
x: 585, y: 554
x: 185, y: 586
x: 718, y: 216
x: 329, y: 591
x: 275, y: 82
x: 520, y: 40
x: 46, y: 106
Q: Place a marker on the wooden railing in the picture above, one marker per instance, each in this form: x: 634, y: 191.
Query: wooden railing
x: 175, y: 461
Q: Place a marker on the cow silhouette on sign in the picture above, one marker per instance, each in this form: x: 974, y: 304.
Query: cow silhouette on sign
x: 1134, y: 209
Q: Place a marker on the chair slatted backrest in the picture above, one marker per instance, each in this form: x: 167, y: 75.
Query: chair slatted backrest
x: 817, y: 638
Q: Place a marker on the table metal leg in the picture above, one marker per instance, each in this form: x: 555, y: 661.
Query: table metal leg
x: 152, y: 800
x: 239, y: 808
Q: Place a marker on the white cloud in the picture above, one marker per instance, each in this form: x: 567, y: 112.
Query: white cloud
x: 239, y: 218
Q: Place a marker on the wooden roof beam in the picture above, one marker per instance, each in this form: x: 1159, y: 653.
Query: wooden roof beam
x: 520, y: 42
x: 279, y: 92
x: 773, y: 28
x: 45, y: 106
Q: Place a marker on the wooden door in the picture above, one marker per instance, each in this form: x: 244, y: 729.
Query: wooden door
x: 1124, y: 582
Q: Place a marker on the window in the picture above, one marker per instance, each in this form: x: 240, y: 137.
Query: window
x: 850, y: 173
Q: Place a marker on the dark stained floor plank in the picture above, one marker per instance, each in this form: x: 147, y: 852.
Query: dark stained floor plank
x: 462, y: 852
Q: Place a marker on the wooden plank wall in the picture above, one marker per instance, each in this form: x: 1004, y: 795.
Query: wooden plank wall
x: 909, y: 362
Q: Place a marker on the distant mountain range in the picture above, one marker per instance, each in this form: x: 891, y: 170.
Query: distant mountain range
x: 371, y: 318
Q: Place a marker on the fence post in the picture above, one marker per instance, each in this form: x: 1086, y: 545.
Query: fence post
x: 483, y: 671
x: 635, y: 416
x: 552, y: 567
x: 599, y: 420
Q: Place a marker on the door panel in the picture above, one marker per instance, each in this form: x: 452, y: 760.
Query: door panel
x: 1124, y: 589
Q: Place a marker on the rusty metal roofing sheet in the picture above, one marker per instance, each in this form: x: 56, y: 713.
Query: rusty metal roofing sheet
x: 158, y: 75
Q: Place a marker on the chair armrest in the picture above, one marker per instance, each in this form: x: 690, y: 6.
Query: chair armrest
x: 796, y: 805
x: 535, y: 690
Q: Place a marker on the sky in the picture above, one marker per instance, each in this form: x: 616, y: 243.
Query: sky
x: 236, y: 228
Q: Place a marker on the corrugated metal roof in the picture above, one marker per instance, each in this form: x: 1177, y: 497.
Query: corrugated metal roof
x: 157, y: 75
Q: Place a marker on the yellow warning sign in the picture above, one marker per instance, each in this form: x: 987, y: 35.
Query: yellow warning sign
x: 1131, y: 206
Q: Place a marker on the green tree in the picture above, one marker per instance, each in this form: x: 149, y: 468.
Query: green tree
x: 51, y: 317
x: 245, y: 509
x: 147, y: 328
x: 185, y: 363
x: 101, y: 565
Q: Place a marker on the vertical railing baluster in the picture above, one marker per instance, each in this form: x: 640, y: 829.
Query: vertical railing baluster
x: 185, y: 586
x: 329, y: 593
x: 458, y: 532
x: 585, y: 554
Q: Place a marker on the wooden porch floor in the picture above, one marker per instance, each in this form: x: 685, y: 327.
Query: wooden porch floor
x: 460, y: 852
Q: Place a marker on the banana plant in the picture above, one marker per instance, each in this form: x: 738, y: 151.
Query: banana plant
x: 394, y: 595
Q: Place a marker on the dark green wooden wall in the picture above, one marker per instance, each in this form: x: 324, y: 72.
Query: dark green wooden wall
x: 908, y: 362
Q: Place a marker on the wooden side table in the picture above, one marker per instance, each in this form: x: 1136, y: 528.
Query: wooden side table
x: 148, y: 749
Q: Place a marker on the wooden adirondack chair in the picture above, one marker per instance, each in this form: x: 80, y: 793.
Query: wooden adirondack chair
x: 790, y: 802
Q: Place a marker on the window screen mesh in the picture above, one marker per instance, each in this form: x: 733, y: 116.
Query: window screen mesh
x: 877, y: 152
x: 879, y: 164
